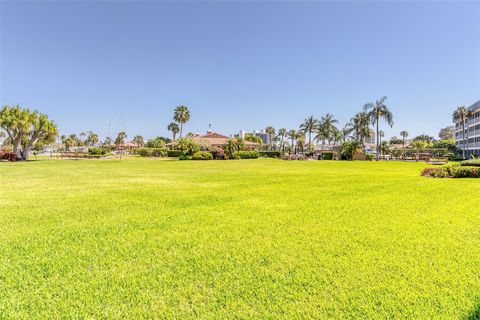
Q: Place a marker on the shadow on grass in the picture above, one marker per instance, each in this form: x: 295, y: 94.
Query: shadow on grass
x: 475, y: 313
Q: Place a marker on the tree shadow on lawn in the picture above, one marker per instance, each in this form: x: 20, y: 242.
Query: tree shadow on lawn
x: 475, y: 313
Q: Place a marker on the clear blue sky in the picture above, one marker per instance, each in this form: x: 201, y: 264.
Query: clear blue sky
x: 238, y: 65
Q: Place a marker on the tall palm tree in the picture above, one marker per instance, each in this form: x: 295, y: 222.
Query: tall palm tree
x: 379, y: 111
x: 404, y: 135
x: 282, y: 132
x: 292, y: 134
x: 181, y: 115
x: 308, y: 126
x: 300, y: 137
x: 174, y: 128
x: 271, y: 133
x: 138, y: 140
x: 461, y: 115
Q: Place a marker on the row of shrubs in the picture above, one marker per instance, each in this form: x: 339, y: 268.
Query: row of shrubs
x: 454, y: 170
x: 270, y: 154
x: 152, y: 152
x: 9, y: 156
x: 219, y: 155
x: 471, y: 163
x: 293, y: 157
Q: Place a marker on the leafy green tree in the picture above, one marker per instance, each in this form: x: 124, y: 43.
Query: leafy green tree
x: 271, y: 134
x: 187, y: 145
x: 424, y: 137
x: 174, y: 128
x: 379, y: 111
x: 418, y: 145
x: 26, y: 129
x: 348, y: 149
x: 308, y: 126
x: 446, y: 133
x: 181, y: 115
x: 250, y: 137
x: 157, y: 142
x: 461, y: 115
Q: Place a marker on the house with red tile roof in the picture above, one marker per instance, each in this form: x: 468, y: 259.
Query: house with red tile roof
x: 214, y: 140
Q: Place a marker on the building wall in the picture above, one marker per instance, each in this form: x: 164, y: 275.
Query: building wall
x: 472, y: 132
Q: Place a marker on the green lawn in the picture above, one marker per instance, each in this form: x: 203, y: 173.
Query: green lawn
x: 265, y: 239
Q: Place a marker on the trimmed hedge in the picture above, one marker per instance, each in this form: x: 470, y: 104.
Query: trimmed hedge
x: 184, y: 157
x: 270, y: 154
x: 471, y: 163
x: 152, y: 152
x: 248, y: 154
x: 98, y: 151
x: 174, y: 153
x: 452, y: 171
x: 202, y: 155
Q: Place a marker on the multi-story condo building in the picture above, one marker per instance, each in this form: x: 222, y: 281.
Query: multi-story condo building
x: 472, y: 132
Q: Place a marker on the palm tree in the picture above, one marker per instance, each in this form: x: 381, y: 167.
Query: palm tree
x: 92, y: 138
x: 181, y: 115
x: 138, y: 140
x: 379, y: 111
x: 292, y: 134
x: 359, y: 124
x: 120, y: 140
x: 282, y: 132
x: 462, y: 114
x: 271, y: 133
x: 300, y: 137
x: 404, y: 135
x: 174, y: 128
x: 326, y: 128
x: 309, y: 125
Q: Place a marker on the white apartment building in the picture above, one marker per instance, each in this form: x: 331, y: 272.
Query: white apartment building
x: 472, y: 132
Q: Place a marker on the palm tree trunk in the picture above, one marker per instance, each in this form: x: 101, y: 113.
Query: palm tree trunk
x: 463, y: 133
x: 181, y: 129
x: 378, y: 136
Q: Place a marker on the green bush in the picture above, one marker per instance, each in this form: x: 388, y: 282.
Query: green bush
x: 466, y: 172
x: 369, y: 157
x: 270, y: 154
x: 471, y: 163
x: 152, y: 152
x: 185, y: 157
x: 98, y: 151
x: 248, y: 154
x: 453, y: 170
x: 144, y: 152
x: 174, y: 153
x: 327, y: 156
x: 159, y: 152
x: 202, y: 155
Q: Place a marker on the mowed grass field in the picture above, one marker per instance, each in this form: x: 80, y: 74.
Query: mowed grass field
x: 264, y: 239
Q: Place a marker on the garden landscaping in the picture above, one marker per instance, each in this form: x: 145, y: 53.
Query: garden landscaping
x: 139, y: 238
